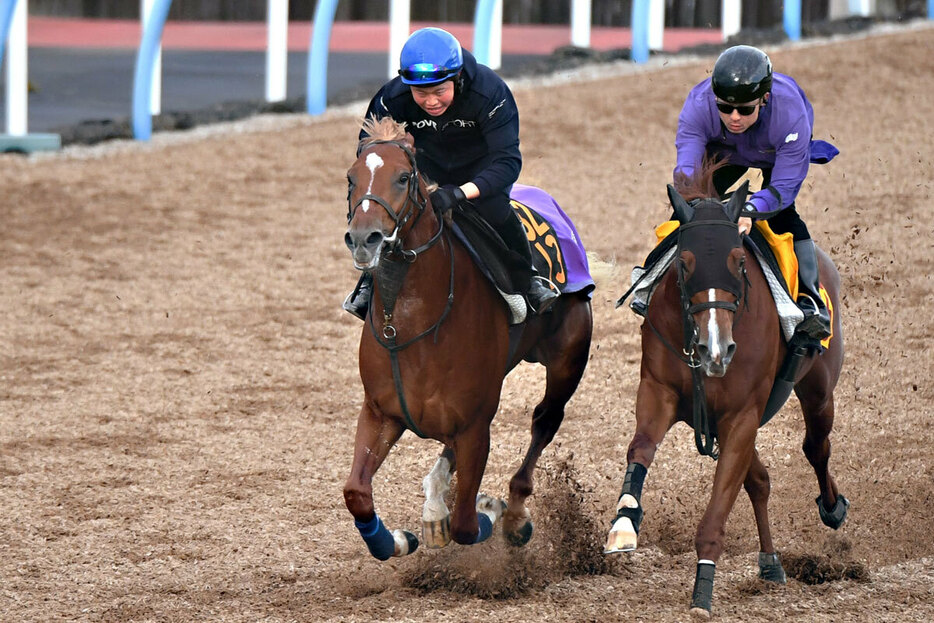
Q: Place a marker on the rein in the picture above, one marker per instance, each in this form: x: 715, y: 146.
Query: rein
x: 392, y: 273
x: 705, y: 434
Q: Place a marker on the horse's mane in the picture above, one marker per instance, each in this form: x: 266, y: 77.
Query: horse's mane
x: 382, y: 129
x: 700, y: 185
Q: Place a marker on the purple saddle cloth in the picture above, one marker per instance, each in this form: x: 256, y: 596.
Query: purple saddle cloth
x: 557, y: 245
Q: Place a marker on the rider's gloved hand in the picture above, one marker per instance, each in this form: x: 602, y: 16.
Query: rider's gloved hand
x: 447, y: 198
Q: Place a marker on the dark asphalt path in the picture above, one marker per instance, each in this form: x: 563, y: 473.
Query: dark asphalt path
x: 75, y: 85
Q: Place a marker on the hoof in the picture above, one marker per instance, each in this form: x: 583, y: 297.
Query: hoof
x: 493, y: 507
x: 770, y: 568
x: 835, y: 517
x: 699, y: 613
x: 518, y: 538
x: 437, y: 534
x: 405, y: 542
x: 622, y: 537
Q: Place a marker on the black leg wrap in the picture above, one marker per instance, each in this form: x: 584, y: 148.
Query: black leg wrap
x: 703, y: 587
x: 634, y: 515
x: 632, y: 484
x: 835, y: 517
x: 770, y: 568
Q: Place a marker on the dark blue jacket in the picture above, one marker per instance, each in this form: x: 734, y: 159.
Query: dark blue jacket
x: 475, y: 140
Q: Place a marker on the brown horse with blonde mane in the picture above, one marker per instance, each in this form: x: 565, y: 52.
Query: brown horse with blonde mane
x: 434, y: 351
x: 712, y: 350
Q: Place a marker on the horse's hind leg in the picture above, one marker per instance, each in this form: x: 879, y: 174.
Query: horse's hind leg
x: 436, y: 518
x: 565, y: 356
x: 376, y: 435
x: 471, y: 447
x: 818, y: 408
x: 757, y: 486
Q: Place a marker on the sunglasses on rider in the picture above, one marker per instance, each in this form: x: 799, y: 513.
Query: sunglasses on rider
x: 426, y: 72
x: 745, y: 111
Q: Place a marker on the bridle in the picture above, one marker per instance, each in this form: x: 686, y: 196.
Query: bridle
x: 415, y: 203
x: 704, y: 432
x: 392, y: 272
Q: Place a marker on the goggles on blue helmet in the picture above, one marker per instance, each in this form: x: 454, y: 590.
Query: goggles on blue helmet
x: 426, y: 73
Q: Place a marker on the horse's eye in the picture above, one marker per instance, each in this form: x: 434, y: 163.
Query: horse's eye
x: 404, y: 178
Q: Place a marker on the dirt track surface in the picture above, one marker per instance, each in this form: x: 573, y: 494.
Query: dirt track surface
x: 179, y: 389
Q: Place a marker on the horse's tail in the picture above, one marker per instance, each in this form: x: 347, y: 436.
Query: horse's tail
x: 601, y: 271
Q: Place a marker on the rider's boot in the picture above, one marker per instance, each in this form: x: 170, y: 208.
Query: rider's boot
x: 358, y: 301
x: 526, y: 277
x: 816, y: 323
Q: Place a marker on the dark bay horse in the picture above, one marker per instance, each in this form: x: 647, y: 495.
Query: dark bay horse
x: 434, y: 351
x: 711, y: 342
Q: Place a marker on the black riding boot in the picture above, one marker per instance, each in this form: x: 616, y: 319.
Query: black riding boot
x: 816, y: 323
x: 523, y: 274
x: 358, y: 301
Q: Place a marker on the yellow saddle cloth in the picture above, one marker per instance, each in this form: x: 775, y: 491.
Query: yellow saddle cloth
x: 783, y: 247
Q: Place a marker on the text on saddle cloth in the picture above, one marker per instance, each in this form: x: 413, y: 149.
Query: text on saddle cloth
x: 557, y: 250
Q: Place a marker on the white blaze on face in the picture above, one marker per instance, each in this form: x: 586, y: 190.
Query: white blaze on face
x: 713, y: 333
x: 373, y: 162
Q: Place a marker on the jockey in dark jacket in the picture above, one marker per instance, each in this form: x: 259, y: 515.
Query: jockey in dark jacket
x: 758, y: 119
x: 466, y: 128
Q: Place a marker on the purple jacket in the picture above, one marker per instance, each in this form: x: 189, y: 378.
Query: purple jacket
x: 779, y: 140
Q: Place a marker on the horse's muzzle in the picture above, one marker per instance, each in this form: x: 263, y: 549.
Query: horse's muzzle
x: 715, y: 363
x: 365, y: 247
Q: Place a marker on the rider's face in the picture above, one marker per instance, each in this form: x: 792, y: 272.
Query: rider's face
x: 735, y: 121
x: 434, y: 99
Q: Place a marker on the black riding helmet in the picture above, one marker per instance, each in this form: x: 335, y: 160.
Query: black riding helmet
x: 742, y: 74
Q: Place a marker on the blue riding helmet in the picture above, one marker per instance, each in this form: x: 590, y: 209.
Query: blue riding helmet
x: 430, y: 56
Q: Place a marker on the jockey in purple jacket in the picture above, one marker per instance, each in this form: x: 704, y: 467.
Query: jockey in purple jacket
x: 756, y: 119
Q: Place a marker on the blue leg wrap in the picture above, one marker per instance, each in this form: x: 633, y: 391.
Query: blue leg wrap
x: 486, y: 528
x: 377, y: 537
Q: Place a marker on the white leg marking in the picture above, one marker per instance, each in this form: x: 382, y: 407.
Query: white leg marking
x: 713, y: 332
x: 436, y: 484
x: 401, y: 543
x: 373, y: 162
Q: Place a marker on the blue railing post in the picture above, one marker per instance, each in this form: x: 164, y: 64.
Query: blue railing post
x: 145, y: 65
x: 6, y: 17
x: 930, y: 9
x: 482, y: 24
x: 316, y: 97
x: 792, y: 19
x: 640, y: 31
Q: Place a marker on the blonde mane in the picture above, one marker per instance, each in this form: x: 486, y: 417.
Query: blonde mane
x: 383, y: 129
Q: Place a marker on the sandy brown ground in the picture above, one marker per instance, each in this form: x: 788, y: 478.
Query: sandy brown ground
x: 179, y: 390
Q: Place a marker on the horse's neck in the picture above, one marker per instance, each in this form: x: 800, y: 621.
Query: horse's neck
x: 404, y: 274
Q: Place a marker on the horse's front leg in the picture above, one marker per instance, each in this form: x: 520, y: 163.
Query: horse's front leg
x: 467, y: 524
x: 376, y: 435
x: 656, y: 406
x: 436, y: 518
x: 758, y: 486
x: 737, y: 446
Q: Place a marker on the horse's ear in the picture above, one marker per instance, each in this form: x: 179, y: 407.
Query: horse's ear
x: 410, y: 139
x: 735, y: 205
x: 683, y: 211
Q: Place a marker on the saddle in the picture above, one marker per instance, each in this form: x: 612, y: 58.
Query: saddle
x: 557, y: 252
